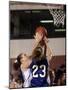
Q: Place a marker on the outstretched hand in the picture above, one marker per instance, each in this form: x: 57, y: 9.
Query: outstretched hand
x: 38, y: 37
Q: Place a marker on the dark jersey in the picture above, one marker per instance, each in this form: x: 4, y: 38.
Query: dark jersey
x: 39, y: 71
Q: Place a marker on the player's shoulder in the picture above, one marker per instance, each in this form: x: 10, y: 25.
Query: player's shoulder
x: 32, y: 63
x: 43, y: 60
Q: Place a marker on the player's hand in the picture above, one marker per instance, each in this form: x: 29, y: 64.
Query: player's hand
x: 13, y: 85
x: 38, y: 37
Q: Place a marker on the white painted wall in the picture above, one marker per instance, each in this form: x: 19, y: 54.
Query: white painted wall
x: 26, y: 45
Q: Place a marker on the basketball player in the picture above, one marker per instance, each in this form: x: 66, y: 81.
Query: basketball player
x: 40, y: 59
x: 25, y: 72
x: 39, y: 68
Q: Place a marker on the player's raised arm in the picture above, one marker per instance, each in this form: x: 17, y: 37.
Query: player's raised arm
x: 49, y: 51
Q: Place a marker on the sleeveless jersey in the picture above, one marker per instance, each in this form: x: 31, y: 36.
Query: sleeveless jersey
x: 39, y: 69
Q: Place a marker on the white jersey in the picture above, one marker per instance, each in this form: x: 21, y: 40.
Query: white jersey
x: 27, y: 78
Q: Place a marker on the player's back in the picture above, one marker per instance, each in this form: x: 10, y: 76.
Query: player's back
x: 39, y: 69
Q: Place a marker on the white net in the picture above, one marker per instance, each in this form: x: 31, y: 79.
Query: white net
x: 58, y: 16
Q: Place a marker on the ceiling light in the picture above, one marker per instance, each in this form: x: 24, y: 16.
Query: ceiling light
x: 46, y: 21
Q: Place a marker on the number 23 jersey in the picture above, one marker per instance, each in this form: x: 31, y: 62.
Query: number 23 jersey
x: 39, y: 71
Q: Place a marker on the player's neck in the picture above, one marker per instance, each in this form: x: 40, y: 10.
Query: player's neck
x: 23, y: 68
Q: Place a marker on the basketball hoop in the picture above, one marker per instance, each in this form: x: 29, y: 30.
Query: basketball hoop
x: 58, y: 16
